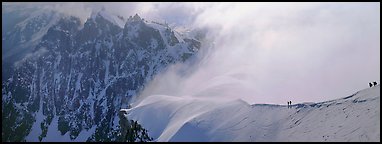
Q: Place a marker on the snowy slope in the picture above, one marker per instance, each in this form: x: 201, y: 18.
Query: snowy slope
x: 168, y: 118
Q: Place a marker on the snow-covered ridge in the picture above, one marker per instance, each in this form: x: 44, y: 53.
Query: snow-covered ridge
x: 169, y: 118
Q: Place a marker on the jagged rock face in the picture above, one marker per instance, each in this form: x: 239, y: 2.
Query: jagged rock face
x: 81, y: 77
x: 131, y: 131
x: 124, y: 123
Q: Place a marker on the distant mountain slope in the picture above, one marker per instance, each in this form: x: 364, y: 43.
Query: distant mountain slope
x: 71, y: 84
x: 352, y: 118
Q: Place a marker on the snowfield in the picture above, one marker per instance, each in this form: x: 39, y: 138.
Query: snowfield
x: 170, y: 118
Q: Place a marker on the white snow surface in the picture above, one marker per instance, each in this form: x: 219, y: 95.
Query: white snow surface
x: 173, y: 118
x: 36, y: 127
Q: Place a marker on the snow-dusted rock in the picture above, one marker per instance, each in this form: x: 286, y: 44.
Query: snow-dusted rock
x: 77, y: 77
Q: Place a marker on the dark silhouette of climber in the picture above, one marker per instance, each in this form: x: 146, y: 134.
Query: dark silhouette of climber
x: 374, y: 83
x: 370, y: 84
x: 290, y: 103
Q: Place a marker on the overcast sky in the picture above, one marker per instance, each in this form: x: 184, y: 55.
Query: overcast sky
x: 267, y: 52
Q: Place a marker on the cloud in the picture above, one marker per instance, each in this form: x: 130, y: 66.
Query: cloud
x: 275, y: 52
